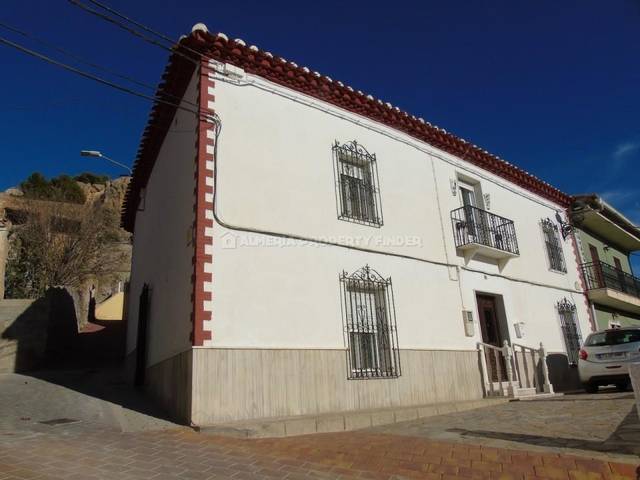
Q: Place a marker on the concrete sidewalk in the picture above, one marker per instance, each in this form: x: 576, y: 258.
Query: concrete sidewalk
x: 94, y: 397
x: 603, y: 425
x: 89, y: 426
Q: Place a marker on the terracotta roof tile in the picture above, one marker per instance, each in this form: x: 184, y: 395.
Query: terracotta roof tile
x: 278, y: 70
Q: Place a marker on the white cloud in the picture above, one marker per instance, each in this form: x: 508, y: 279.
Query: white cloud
x: 621, y: 196
x: 624, y: 149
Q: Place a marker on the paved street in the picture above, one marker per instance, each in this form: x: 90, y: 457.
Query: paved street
x: 110, y: 434
x: 602, y: 424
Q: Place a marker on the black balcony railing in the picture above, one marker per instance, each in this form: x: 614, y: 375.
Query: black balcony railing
x: 602, y: 275
x: 474, y: 225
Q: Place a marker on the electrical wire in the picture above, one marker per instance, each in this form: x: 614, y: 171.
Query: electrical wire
x: 218, y: 129
x: 74, y: 56
x: 141, y: 25
x: 87, y: 62
x: 98, y: 79
x: 133, y: 31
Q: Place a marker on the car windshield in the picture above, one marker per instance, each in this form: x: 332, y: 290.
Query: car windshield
x: 616, y: 337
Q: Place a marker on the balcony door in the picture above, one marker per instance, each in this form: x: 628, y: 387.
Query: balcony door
x: 597, y: 267
x: 468, y: 199
x: 475, y: 217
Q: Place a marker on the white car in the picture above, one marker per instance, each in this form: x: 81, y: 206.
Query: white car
x: 605, y: 356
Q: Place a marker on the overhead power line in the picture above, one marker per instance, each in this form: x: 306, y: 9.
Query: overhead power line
x: 146, y: 28
x: 96, y: 78
x: 135, y: 32
x: 85, y: 62
x: 74, y: 56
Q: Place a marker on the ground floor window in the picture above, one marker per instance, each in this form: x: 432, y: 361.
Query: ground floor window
x: 370, y: 325
x: 570, y: 329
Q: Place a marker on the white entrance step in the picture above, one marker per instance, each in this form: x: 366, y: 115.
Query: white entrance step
x: 524, y: 392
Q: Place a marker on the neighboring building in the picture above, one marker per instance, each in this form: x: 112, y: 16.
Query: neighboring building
x: 606, y: 239
x: 303, y: 248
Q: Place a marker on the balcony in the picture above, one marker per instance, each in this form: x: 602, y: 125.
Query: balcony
x: 478, y: 232
x: 610, y: 286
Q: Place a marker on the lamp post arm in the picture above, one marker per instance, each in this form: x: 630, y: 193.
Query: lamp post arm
x: 117, y: 163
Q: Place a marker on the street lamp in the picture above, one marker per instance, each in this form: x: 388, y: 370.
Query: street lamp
x: 97, y: 154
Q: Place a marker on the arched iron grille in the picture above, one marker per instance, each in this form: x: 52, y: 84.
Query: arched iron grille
x: 570, y: 329
x: 357, y: 187
x: 370, y: 325
x: 554, y: 246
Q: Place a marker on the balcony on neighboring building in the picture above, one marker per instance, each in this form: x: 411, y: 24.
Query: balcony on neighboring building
x: 481, y: 233
x: 611, y: 286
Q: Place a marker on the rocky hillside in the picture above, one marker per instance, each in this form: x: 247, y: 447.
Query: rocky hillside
x: 106, y: 197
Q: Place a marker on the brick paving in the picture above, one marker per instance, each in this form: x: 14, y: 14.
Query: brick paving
x: 605, y: 423
x: 106, y: 444
x: 83, y: 452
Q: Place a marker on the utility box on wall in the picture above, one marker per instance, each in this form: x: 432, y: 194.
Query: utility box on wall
x: 467, y: 318
x: 519, y: 328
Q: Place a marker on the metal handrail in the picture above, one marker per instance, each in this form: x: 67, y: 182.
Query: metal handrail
x: 474, y: 225
x: 513, y: 380
x: 487, y: 350
x: 524, y: 349
x: 603, y: 275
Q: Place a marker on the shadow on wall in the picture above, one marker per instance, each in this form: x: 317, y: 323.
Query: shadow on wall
x: 563, y: 376
x: 44, y: 333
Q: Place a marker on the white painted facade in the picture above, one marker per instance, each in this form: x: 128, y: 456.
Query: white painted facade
x: 163, y: 243
x: 278, y: 345
x: 275, y: 174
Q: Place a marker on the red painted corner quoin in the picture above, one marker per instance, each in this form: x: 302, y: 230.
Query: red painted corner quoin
x: 203, y: 209
x: 192, y: 54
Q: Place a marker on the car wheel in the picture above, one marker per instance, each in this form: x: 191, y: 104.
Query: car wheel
x: 591, y: 388
x: 622, y: 386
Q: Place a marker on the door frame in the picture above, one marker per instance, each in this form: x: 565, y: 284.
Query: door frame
x: 144, y: 307
x: 502, y: 321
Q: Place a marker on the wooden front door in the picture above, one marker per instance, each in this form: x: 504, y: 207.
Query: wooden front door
x: 490, y: 329
x: 488, y: 315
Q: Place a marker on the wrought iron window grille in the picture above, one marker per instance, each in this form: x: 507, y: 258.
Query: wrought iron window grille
x: 370, y: 327
x: 553, y: 245
x: 357, y: 186
x: 570, y: 329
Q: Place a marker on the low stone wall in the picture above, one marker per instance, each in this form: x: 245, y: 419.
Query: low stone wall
x: 23, y: 334
x: 243, y: 384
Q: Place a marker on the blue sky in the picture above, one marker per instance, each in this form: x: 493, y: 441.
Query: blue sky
x: 550, y: 86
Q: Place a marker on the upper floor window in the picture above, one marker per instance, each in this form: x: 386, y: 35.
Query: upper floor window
x: 370, y: 325
x: 357, y: 186
x: 554, y: 246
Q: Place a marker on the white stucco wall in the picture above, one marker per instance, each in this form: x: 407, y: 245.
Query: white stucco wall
x: 275, y: 173
x: 162, y: 243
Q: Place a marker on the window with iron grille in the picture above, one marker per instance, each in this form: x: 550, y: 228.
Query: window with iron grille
x: 370, y: 325
x: 554, y: 246
x: 570, y: 329
x: 357, y: 184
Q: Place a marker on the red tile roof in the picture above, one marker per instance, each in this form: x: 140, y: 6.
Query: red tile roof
x: 301, y: 79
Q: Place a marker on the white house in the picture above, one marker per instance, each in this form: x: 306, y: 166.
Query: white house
x: 301, y: 247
